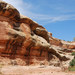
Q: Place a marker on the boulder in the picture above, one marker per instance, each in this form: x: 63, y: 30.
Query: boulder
x: 41, y: 31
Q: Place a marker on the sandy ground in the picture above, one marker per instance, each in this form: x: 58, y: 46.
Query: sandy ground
x: 32, y: 70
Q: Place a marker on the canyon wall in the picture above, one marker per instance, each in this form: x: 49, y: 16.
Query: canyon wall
x: 61, y: 43
x: 22, y: 40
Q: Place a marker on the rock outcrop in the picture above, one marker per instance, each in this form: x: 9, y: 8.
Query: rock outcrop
x: 61, y: 43
x: 24, y: 40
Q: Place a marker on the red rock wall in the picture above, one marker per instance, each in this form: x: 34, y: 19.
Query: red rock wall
x: 22, y: 39
x: 11, y: 44
x: 61, y: 43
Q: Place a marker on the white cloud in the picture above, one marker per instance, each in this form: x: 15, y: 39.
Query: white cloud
x: 25, y: 9
x: 19, y: 4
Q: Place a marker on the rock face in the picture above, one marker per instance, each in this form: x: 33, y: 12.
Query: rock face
x: 23, y: 40
x: 61, y: 43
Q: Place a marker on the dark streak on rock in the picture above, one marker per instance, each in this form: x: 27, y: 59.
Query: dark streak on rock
x: 17, y: 27
x: 40, y: 52
x: 14, y: 42
x: 32, y: 44
x: 7, y: 44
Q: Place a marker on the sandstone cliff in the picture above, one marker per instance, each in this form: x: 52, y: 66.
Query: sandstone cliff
x: 24, y: 40
x: 61, y: 43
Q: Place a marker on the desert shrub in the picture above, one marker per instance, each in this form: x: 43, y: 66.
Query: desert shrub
x: 74, y: 56
x: 71, y: 68
x: 73, y: 53
x: 72, y: 63
x: 73, y: 60
x: 63, y: 40
x: 74, y: 39
x: 68, y: 41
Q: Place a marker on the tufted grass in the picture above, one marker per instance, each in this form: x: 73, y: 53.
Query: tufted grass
x: 71, y: 68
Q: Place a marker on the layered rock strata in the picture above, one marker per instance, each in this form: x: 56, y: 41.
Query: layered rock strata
x: 24, y: 40
x: 61, y: 43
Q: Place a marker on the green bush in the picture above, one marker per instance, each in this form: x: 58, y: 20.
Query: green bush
x: 74, y: 39
x: 72, y: 63
x: 74, y: 56
x: 73, y: 53
x: 73, y: 60
x: 71, y: 68
x: 68, y: 41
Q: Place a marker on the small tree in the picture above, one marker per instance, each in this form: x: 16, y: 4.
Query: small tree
x: 74, y: 39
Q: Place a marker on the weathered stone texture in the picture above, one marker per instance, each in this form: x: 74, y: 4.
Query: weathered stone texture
x: 24, y: 40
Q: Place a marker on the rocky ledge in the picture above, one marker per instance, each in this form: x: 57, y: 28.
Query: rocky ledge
x: 61, y: 43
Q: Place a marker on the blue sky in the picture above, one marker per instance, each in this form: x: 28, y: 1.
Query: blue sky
x: 57, y: 16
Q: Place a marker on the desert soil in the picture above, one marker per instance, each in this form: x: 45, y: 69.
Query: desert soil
x: 33, y: 70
